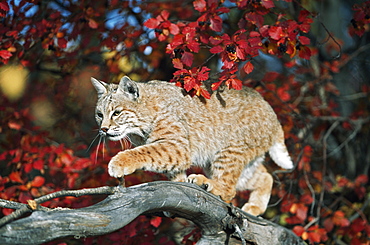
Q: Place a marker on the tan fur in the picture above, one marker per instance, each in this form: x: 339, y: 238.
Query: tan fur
x: 227, y: 135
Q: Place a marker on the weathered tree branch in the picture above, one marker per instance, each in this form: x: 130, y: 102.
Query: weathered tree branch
x: 220, y: 222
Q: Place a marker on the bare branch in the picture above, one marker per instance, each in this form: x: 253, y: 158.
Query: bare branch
x: 219, y: 222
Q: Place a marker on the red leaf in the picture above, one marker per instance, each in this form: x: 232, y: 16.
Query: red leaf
x: 7, y: 211
x: 254, y: 18
x: 187, y: 58
x: 38, y: 181
x: 5, y: 54
x: 314, y: 236
x: 304, y: 40
x: 189, y: 83
x: 237, y: 84
x: 28, y: 167
x: 174, y: 29
x: 303, y: 15
x: 39, y: 165
x: 200, y: 5
x: 62, y: 43
x: 93, y: 24
x: 283, y: 94
x: 361, y: 179
x: 306, y: 199
x: 275, y: 32
x: 328, y: 224
x: 216, y: 23
x: 177, y: 63
x: 12, y: 33
x: 203, y: 73
x: 205, y: 94
x: 215, y: 85
x: 151, y: 23
x: 298, y: 230
x: 4, y: 6
x: 233, y: 82
x: 217, y: 40
x: 305, y: 52
x: 302, y: 212
x: 156, y: 221
x: 216, y: 49
x: 305, y: 27
x: 164, y: 15
x: 14, y: 125
x: 15, y: 177
x: 248, y: 67
x: 267, y: 4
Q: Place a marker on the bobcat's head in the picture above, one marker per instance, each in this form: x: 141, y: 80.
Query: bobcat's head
x: 117, y: 111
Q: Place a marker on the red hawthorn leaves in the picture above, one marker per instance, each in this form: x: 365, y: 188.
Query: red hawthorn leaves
x: 248, y: 67
x: 156, y: 221
x: 162, y: 23
x: 276, y: 39
x: 152, y: 23
x: 38, y: 181
x: 191, y: 80
x: 5, y: 54
x: 93, y: 24
x: 4, y: 6
x: 276, y: 32
x: 234, y: 82
x: 15, y: 177
x: 267, y: 4
x: 304, y: 40
x: 200, y: 5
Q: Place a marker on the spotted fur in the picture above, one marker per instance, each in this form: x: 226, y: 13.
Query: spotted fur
x: 227, y: 135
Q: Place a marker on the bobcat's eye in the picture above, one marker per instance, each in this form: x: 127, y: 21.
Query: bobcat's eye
x: 99, y: 114
x: 116, y: 113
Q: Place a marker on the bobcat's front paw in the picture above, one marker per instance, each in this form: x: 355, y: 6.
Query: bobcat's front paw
x: 200, y: 180
x: 120, y: 165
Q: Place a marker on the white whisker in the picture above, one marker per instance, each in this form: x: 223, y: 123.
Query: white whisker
x: 92, y: 142
x: 128, y: 141
x: 104, y: 144
x: 122, y: 143
x: 97, y: 150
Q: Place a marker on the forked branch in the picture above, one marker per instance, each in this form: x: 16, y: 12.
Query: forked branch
x: 219, y: 222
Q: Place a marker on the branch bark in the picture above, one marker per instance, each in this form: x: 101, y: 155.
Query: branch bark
x: 219, y: 222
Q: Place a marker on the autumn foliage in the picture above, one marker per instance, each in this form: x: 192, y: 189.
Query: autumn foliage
x: 315, y: 78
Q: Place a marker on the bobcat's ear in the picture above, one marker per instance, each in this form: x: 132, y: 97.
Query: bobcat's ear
x: 129, y: 87
x: 100, y: 86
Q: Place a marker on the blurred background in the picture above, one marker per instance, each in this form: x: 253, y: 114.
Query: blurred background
x: 50, y: 49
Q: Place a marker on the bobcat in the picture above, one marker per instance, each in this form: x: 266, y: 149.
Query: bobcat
x: 227, y: 135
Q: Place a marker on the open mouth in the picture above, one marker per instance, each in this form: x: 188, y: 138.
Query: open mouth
x: 112, y: 136
x: 115, y: 137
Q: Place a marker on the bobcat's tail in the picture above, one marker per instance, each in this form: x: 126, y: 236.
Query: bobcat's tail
x: 280, y: 155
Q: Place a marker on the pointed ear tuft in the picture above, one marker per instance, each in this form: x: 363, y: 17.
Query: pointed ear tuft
x: 100, y: 86
x: 129, y: 87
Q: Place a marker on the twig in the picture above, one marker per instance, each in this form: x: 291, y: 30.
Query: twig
x: 322, y: 193
x: 24, y: 208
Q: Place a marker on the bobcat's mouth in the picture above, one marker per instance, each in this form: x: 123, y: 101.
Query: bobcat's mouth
x: 113, y: 136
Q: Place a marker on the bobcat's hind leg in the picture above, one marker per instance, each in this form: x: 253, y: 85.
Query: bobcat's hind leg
x: 226, y: 192
x: 260, y: 185
x: 224, y: 172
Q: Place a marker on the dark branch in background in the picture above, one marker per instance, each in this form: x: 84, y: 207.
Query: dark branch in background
x: 219, y: 222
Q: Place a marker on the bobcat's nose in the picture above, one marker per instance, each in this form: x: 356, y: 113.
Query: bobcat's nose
x: 104, y: 129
